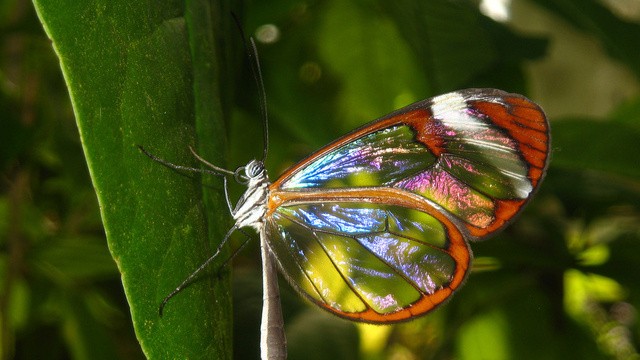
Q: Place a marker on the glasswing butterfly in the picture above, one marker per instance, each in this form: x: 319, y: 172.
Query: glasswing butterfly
x: 375, y: 227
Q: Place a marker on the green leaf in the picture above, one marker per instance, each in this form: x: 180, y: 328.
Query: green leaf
x: 309, y: 333
x: 75, y: 259
x: 345, y: 45
x: 457, y: 47
x: 129, y: 68
x: 348, y: 63
x: 628, y: 113
x: 608, y: 147
x: 87, y: 339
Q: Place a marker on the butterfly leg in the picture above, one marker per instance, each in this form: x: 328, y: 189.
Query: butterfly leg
x: 226, y: 195
x: 194, y: 274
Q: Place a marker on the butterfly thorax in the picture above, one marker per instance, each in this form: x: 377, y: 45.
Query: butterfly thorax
x: 250, y: 210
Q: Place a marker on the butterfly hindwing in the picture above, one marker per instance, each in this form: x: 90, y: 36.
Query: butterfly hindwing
x: 367, y: 261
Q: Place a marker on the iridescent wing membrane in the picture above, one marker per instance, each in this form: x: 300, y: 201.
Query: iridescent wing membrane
x: 375, y: 226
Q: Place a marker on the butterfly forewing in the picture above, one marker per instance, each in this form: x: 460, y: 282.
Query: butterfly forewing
x: 479, y: 153
x: 379, y: 158
x: 373, y: 227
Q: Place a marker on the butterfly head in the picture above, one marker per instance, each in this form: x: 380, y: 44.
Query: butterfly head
x: 253, y: 172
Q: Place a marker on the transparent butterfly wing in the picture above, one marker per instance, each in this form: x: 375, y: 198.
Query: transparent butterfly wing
x: 479, y: 153
x: 368, y: 261
x: 374, y: 226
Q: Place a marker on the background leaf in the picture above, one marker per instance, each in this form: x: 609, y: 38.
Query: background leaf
x: 618, y: 35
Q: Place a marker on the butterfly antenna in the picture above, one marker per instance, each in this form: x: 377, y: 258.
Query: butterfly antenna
x: 252, y: 53
x: 215, y: 168
x: 263, y: 100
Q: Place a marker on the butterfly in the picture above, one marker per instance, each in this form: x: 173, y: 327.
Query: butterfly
x: 375, y: 227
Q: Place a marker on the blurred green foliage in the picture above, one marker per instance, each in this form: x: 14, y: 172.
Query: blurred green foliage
x: 561, y: 282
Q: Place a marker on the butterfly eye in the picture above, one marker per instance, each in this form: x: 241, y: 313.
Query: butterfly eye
x: 252, y: 170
